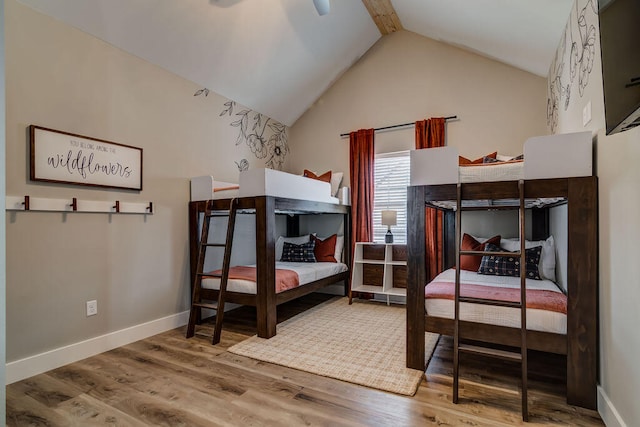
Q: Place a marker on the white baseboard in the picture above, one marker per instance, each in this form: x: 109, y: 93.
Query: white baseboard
x: 607, y: 411
x: 43, y: 362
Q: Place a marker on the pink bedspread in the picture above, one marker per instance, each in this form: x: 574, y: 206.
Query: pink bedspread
x: 540, y: 299
x: 285, y: 279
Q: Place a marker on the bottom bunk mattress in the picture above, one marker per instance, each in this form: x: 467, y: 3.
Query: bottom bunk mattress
x: 288, y: 275
x: 546, y: 304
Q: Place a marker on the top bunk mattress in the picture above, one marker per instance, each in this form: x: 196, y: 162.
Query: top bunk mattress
x: 269, y: 182
x: 503, y: 171
x: 263, y: 182
x: 553, y: 156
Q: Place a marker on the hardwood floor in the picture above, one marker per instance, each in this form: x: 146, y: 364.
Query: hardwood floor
x: 171, y: 381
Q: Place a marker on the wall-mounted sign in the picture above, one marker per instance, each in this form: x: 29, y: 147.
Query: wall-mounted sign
x: 75, y: 159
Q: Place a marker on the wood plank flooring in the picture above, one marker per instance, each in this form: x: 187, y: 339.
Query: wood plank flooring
x: 167, y: 380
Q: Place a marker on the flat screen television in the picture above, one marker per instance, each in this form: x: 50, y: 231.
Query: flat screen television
x: 620, y: 48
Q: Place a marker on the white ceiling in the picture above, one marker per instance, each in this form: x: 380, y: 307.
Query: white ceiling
x: 278, y: 56
x: 522, y: 33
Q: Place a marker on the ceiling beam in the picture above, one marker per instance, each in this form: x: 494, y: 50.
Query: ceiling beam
x: 384, y: 15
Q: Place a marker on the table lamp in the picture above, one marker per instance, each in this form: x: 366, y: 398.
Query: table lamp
x: 389, y: 218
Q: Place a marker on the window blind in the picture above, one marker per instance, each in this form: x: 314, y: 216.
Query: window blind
x: 390, y: 193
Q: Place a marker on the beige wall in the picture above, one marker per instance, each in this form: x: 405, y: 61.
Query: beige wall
x: 406, y: 77
x: 619, y: 203
x: 135, y: 266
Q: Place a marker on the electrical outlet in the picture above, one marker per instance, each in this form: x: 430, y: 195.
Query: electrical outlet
x: 92, y: 308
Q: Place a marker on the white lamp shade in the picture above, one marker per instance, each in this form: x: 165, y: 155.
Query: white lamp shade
x: 389, y: 218
x: 322, y: 6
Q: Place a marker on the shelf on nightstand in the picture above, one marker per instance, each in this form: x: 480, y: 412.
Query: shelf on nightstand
x: 380, y: 268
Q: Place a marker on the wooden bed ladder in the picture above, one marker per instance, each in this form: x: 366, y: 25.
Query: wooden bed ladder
x: 197, y: 302
x: 522, y: 304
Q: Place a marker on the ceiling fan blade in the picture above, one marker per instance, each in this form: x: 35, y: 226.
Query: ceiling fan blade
x: 322, y: 6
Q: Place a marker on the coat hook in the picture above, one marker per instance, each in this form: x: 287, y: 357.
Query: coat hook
x: 117, y: 206
x: 150, y: 207
x: 26, y: 203
x: 74, y: 204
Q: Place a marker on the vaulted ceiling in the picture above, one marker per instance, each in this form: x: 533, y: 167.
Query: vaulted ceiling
x: 278, y: 56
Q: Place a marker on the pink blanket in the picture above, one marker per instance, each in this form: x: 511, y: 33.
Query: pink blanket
x: 540, y: 299
x: 285, y: 279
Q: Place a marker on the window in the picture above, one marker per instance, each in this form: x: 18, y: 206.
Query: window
x: 390, y: 193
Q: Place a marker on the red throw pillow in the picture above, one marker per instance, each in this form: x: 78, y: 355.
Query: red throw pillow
x: 326, y: 177
x: 472, y: 262
x: 462, y: 161
x: 325, y: 249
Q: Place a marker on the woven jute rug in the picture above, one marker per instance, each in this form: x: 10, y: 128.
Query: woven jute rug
x: 362, y: 343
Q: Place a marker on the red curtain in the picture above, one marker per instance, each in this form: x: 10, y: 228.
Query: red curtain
x: 361, y: 164
x: 430, y: 134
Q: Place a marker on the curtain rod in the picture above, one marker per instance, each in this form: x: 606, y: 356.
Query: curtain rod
x: 344, y: 135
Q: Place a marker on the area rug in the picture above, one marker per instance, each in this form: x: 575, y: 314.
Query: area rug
x: 362, y: 343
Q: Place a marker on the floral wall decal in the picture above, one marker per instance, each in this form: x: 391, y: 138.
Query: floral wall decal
x: 583, y: 51
x: 243, y: 165
x: 578, y: 49
x: 204, y: 91
x: 266, y: 138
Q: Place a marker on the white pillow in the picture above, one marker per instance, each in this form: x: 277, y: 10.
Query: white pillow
x: 339, y: 246
x: 295, y: 240
x: 503, y: 158
x: 481, y: 239
x: 547, y: 265
x: 336, y: 180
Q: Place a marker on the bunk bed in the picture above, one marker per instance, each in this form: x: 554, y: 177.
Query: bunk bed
x: 265, y: 193
x: 556, y: 170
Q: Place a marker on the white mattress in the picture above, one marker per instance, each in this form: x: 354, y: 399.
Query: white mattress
x: 264, y: 182
x: 537, y: 319
x: 307, y: 272
x: 492, y: 172
x: 269, y: 182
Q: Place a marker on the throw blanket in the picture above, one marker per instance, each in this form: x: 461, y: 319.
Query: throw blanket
x: 540, y: 299
x: 285, y: 279
x: 232, y: 187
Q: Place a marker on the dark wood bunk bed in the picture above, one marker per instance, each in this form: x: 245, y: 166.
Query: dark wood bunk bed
x: 580, y: 344
x: 265, y: 209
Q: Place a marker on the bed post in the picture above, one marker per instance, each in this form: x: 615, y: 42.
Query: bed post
x: 416, y: 277
x: 293, y: 225
x: 346, y: 249
x: 449, y: 239
x: 582, y: 305
x: 266, y: 266
x: 539, y: 223
x: 194, y: 216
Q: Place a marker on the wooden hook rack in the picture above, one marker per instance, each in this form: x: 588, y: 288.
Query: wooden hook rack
x: 41, y: 204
